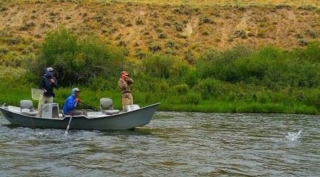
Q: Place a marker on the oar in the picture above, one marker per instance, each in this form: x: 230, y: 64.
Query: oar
x: 66, y: 132
x: 89, y: 106
x: 72, y: 112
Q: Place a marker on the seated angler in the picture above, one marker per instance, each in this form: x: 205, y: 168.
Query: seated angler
x: 69, y: 107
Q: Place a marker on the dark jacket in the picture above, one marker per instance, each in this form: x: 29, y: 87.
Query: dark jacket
x: 46, y: 84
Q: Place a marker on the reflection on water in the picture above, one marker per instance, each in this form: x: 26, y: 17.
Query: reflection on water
x: 173, y: 144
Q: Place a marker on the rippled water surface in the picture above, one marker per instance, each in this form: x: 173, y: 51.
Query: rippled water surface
x: 173, y: 144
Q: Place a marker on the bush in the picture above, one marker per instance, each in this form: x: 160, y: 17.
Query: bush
x: 181, y: 89
x: 77, y: 61
x: 221, y: 65
x: 207, y: 88
x: 158, y: 66
x: 191, y: 98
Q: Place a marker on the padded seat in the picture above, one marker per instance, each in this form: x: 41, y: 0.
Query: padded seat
x: 110, y: 112
x: 132, y: 107
x: 26, y: 108
x: 106, y: 106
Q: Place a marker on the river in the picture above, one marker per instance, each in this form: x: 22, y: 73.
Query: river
x: 173, y: 144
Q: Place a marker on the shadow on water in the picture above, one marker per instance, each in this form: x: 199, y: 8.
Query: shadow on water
x: 13, y: 126
x: 134, y: 131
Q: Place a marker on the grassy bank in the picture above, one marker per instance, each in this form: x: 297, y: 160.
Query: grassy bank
x: 238, y: 80
x: 264, y: 103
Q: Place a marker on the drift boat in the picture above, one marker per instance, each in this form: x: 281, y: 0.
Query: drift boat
x: 94, y: 120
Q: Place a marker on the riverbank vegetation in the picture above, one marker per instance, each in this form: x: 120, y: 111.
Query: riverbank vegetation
x: 239, y: 79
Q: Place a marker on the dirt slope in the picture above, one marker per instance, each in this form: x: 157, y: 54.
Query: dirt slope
x: 181, y: 30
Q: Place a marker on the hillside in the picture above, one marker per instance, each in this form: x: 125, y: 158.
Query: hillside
x: 183, y: 29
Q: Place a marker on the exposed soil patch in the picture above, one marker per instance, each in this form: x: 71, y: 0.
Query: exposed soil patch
x: 177, y: 30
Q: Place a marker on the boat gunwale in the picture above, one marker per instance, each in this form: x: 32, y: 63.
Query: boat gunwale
x: 103, y: 116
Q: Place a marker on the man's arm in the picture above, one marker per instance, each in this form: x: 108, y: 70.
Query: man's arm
x: 129, y: 80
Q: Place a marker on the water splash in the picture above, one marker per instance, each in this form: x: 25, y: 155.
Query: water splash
x: 293, y: 136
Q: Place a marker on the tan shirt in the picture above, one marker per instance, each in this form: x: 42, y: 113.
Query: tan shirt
x: 124, y: 84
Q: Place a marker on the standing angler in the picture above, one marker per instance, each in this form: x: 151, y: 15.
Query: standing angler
x: 124, y: 84
x: 47, y: 84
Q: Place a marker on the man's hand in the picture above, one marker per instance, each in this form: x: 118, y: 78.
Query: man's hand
x: 78, y: 100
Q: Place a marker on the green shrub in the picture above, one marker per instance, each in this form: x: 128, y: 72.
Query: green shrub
x: 158, y: 66
x: 77, y: 61
x: 163, y: 86
x: 191, y: 98
x: 310, y: 53
x: 98, y: 84
x: 181, y: 89
x: 221, y: 65
x: 191, y: 78
x: 206, y: 88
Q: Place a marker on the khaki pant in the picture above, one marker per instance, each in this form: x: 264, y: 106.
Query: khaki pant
x: 43, y: 100
x: 127, y: 99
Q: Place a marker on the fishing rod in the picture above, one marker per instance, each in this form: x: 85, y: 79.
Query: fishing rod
x: 89, y: 106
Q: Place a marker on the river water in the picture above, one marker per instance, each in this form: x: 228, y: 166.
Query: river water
x: 173, y: 144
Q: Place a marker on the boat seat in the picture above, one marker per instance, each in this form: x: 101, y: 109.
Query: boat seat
x: 26, y: 108
x: 132, y: 107
x: 106, y: 106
